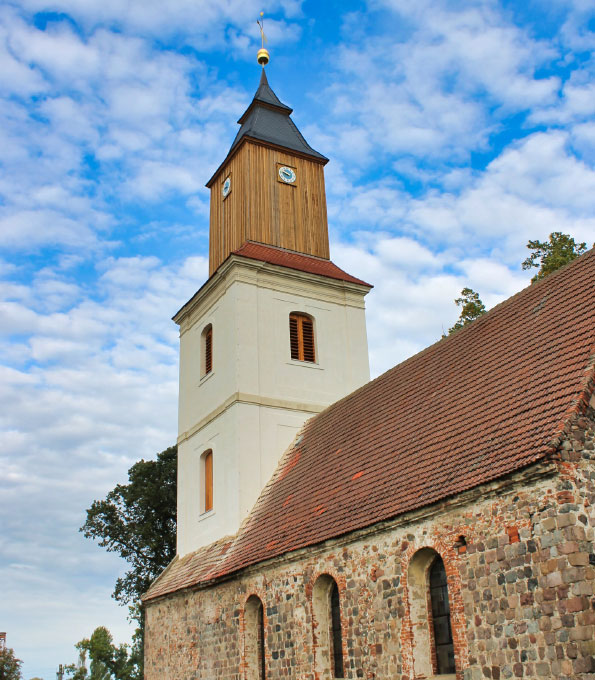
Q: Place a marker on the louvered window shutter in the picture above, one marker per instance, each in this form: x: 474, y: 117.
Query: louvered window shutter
x: 209, y: 351
x: 301, y: 338
x: 293, y: 336
x: 308, y: 339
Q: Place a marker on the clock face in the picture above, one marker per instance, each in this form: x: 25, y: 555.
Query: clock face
x: 287, y: 175
x: 226, y: 188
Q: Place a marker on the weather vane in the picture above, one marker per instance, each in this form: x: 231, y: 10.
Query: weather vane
x: 263, y: 54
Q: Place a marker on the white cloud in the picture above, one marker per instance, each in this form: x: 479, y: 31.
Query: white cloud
x: 210, y: 25
x: 29, y: 228
x: 125, y: 107
x: 93, y: 389
x: 432, y: 89
x: 412, y: 303
x: 533, y: 188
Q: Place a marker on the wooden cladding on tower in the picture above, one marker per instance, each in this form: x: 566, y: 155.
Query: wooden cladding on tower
x: 301, y: 337
x: 263, y: 209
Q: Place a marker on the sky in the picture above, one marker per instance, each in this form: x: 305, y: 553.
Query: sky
x: 456, y: 132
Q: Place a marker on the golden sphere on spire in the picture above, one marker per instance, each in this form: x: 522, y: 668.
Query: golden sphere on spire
x: 263, y: 56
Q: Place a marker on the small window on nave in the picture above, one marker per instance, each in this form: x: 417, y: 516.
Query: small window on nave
x: 432, y: 644
x: 301, y: 337
x: 254, y: 639
x: 326, y: 610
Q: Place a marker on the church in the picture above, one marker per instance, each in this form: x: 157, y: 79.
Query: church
x: 436, y: 522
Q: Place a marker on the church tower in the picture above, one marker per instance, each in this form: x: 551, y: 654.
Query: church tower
x: 274, y: 336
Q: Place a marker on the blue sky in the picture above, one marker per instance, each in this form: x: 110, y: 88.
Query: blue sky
x: 456, y: 132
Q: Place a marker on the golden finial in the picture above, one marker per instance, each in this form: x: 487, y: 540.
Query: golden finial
x: 263, y: 54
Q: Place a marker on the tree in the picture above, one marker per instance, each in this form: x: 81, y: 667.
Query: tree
x: 553, y: 254
x: 107, y: 662
x: 472, y: 307
x: 138, y: 521
x: 10, y: 666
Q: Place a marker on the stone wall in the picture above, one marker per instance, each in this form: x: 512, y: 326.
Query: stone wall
x: 520, y: 565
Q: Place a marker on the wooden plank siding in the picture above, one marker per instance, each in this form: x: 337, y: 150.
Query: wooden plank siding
x: 261, y: 208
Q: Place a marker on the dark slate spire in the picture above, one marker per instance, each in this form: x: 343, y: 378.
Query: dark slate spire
x: 266, y: 95
x: 267, y: 119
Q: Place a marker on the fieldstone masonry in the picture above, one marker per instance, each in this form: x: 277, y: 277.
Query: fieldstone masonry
x: 520, y: 563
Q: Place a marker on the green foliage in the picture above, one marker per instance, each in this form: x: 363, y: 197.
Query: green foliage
x: 10, y: 666
x: 553, y: 254
x: 138, y: 521
x: 472, y: 307
x: 107, y: 662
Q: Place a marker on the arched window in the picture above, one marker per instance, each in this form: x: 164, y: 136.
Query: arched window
x: 207, y: 480
x: 328, y: 637
x: 301, y: 337
x: 433, y: 648
x: 445, y: 653
x: 206, y: 350
x: 254, y: 639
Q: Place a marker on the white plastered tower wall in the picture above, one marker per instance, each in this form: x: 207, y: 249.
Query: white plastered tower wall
x: 249, y: 408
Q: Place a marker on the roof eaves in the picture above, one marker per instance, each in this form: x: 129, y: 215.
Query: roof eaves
x: 262, y: 103
x: 237, y: 254
x: 315, y: 156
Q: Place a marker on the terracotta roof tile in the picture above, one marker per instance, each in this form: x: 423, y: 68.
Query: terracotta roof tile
x: 491, y: 399
x: 294, y: 260
x: 185, y: 571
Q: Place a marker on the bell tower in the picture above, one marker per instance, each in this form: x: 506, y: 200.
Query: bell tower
x: 270, y: 187
x: 277, y: 332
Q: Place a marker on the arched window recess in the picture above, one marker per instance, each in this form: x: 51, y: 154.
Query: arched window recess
x: 328, y: 636
x: 429, y: 606
x: 254, y: 639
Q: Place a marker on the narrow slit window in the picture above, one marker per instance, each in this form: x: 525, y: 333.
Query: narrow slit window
x: 445, y: 655
x: 208, y: 480
x: 207, y: 350
x: 301, y: 337
x: 261, y: 657
x: 336, y: 637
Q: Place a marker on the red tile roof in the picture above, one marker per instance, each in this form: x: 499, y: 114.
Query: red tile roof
x: 489, y: 400
x: 294, y: 260
x: 183, y: 572
x: 284, y: 258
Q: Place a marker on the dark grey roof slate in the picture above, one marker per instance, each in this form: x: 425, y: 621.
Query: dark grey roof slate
x: 266, y: 95
x: 267, y: 119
